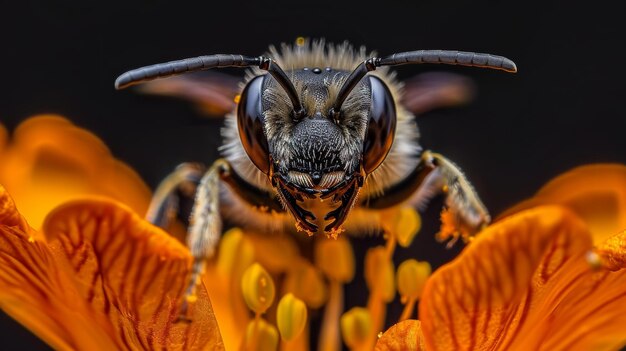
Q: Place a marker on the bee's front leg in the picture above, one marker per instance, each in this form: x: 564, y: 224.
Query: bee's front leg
x: 205, y: 226
x: 190, y: 181
x: 177, y: 188
x: 465, y: 214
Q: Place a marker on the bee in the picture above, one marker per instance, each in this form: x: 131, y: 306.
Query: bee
x: 319, y: 140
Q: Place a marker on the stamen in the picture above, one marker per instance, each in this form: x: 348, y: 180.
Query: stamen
x: 379, y: 273
x: 291, y: 317
x: 336, y: 259
x: 260, y: 336
x: 356, y: 326
x: 234, y: 248
x: 411, y: 278
x: 258, y: 288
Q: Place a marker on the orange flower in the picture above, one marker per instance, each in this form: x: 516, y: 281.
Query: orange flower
x: 49, y: 161
x: 97, y: 277
x: 534, y: 280
x: 85, y: 271
x: 93, y: 275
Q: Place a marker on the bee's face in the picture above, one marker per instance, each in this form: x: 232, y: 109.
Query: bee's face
x: 317, y: 156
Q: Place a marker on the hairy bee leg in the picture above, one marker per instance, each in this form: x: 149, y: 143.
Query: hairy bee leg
x: 165, y: 203
x: 205, y: 227
x: 464, y: 209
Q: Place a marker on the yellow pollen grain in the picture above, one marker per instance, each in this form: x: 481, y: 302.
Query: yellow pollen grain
x: 237, y: 98
x: 379, y: 335
x: 191, y: 298
x: 300, y: 41
x: 31, y: 239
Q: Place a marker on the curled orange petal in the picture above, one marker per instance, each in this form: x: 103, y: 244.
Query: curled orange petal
x: 526, y: 284
x: 102, y: 279
x: 404, y: 336
x: 49, y: 161
x: 597, y: 193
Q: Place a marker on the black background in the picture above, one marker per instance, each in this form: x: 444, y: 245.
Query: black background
x: 564, y: 108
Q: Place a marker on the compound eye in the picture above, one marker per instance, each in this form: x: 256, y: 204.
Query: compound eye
x: 251, y: 124
x: 381, y: 126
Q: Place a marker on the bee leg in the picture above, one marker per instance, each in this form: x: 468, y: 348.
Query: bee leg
x: 205, y: 227
x: 178, y: 186
x: 465, y: 214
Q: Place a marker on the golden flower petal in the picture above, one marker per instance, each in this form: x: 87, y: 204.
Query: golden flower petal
x: 404, y: 336
x: 50, y: 161
x: 597, y: 193
x: 102, y: 279
x: 526, y: 285
x: 8, y: 213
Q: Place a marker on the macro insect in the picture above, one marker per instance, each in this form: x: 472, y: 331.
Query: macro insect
x: 318, y: 141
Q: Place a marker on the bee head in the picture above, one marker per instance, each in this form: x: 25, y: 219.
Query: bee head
x: 325, y: 150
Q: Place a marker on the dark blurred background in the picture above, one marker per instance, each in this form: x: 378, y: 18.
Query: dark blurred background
x: 564, y: 108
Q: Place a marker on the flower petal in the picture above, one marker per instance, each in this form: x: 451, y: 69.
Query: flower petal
x: 106, y: 279
x: 597, y: 193
x: 50, y: 161
x: 34, y: 290
x: 403, y: 336
x: 526, y: 285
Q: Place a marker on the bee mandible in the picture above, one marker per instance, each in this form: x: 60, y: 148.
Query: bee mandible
x: 321, y: 147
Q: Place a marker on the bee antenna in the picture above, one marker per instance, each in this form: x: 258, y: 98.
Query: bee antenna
x: 447, y: 57
x: 201, y: 63
x: 274, y: 69
x: 172, y: 68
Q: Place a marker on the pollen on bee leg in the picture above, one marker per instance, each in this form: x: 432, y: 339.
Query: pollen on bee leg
x: 190, y: 293
x: 191, y: 298
x: 450, y: 230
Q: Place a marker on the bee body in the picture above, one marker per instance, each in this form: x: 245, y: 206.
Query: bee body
x: 326, y: 145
